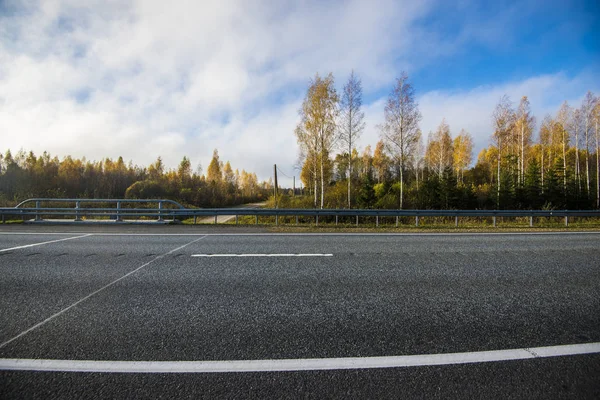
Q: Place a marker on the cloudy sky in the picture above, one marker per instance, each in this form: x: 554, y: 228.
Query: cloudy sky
x: 142, y: 79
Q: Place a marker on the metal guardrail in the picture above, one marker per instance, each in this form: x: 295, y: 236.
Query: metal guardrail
x: 122, y: 210
x: 79, y: 211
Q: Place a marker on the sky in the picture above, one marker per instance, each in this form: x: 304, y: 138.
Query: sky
x: 143, y: 79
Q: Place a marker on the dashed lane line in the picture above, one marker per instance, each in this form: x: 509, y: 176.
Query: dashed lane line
x: 50, y: 318
x: 42, y: 243
x: 262, y: 255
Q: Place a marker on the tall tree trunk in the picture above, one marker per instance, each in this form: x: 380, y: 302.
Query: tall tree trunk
x: 543, y: 166
x: 597, y: 167
x: 522, y: 172
x: 499, y: 158
x: 401, y: 186
x: 401, y: 173
x: 564, y: 151
x: 316, y: 180
x: 322, y: 183
x: 577, y: 167
x: 587, y: 160
x: 349, y: 170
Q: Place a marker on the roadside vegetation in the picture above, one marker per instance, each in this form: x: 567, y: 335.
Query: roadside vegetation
x: 552, y: 163
x: 405, y: 224
x: 530, y: 163
x: 25, y: 175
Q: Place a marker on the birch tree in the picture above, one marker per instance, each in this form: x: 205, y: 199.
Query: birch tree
x: 439, y: 154
x: 316, y: 132
x: 463, y: 153
x: 503, y: 119
x: 401, y: 127
x: 587, y: 110
x: 524, y: 125
x: 546, y: 144
x: 574, y: 128
x: 597, y: 134
x: 309, y: 151
x: 562, y: 119
x: 352, y: 120
x: 417, y: 158
x: 381, y: 162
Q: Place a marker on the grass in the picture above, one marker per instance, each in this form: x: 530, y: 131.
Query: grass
x: 407, y: 224
x: 12, y: 222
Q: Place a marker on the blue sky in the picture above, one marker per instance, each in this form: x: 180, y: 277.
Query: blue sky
x: 511, y: 41
x: 142, y: 79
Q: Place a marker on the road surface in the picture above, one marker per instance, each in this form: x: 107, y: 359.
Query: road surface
x: 168, y: 313
x: 221, y: 219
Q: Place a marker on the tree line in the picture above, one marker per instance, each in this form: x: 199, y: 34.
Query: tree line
x: 25, y: 175
x: 555, y: 165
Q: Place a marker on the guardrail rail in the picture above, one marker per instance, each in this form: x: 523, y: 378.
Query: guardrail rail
x: 44, y: 209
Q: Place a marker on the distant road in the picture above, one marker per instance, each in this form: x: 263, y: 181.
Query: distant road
x: 225, y: 218
x: 477, y: 314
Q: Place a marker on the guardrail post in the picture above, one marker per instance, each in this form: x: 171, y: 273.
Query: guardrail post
x: 215, y: 219
x: 160, y: 206
x: 336, y: 219
x: 77, y: 207
x: 276, y: 219
x: 456, y: 221
x: 119, y: 218
x: 416, y: 220
x: 236, y: 219
x: 37, y: 213
x: 531, y: 221
x: 377, y: 221
x: 357, y: 220
x: 494, y: 217
x: 397, y: 220
x: 566, y: 220
x: 317, y: 220
x: 195, y: 219
x: 296, y: 220
x: 256, y: 222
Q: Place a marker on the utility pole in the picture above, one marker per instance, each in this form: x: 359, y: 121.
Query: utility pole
x: 275, y: 188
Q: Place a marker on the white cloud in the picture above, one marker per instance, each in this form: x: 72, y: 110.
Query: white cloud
x: 472, y: 109
x: 147, y: 78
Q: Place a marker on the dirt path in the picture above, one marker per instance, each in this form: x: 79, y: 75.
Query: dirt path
x: 225, y: 218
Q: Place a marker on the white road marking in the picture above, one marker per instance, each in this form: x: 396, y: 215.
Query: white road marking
x: 557, y: 233
x: 305, y: 364
x: 39, y: 233
x: 262, y: 255
x: 50, y: 318
x: 48, y: 242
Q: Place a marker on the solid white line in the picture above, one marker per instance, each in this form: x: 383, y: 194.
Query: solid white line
x: 48, y: 242
x: 50, y: 318
x: 39, y: 233
x: 306, y: 364
x: 262, y: 255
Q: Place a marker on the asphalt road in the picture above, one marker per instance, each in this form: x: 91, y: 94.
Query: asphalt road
x: 153, y: 296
